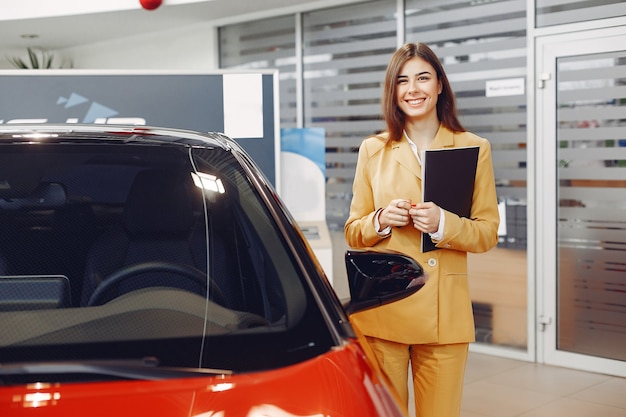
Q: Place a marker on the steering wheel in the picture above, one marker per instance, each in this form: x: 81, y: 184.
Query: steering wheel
x: 105, y: 290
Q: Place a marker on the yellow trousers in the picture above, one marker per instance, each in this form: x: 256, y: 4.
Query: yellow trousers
x: 437, y: 374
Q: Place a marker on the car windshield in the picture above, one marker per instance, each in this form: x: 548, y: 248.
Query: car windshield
x: 158, y: 252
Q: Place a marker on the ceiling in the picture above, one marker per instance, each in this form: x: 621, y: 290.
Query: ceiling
x: 82, y: 29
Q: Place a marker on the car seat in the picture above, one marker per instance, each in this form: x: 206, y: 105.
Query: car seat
x: 156, y: 227
x: 73, y: 231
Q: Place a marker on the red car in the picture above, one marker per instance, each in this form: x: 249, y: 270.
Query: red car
x: 155, y: 272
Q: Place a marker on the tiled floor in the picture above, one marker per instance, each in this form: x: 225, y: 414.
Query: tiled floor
x: 500, y: 387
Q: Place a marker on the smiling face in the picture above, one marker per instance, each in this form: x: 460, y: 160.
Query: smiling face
x: 417, y: 90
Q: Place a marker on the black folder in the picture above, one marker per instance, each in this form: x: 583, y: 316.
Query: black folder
x: 448, y: 177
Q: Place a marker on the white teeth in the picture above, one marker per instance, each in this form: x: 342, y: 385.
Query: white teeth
x: 416, y: 101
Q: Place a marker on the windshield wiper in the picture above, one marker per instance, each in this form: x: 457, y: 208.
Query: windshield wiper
x: 135, y: 369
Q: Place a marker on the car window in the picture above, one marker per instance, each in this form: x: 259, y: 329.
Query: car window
x: 119, y: 251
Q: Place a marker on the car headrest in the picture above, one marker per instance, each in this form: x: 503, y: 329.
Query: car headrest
x: 46, y: 195
x: 159, y: 202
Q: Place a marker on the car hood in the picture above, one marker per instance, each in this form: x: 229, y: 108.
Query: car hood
x: 338, y: 383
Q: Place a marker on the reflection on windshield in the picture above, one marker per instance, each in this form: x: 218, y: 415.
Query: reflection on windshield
x: 208, y: 182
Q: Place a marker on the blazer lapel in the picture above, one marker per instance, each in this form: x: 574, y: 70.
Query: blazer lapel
x: 403, y: 154
x: 443, y: 139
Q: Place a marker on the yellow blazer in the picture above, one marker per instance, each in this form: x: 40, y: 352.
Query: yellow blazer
x: 441, y: 312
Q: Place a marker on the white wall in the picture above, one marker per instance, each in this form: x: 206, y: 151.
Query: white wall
x: 189, y: 48
x: 193, y: 47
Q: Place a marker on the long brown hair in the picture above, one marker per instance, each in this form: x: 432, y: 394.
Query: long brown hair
x: 446, y: 106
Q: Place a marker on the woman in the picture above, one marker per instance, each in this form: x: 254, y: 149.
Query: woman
x: 430, y: 330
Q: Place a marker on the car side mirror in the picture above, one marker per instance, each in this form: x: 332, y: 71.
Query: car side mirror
x: 377, y: 278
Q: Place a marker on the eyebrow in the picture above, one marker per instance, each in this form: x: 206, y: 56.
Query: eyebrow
x: 417, y: 75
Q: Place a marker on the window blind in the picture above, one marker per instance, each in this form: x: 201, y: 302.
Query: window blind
x: 346, y: 51
x: 482, y: 45
x: 558, y: 12
x: 262, y: 44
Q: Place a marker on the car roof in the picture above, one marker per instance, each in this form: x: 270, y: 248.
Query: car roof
x: 52, y: 133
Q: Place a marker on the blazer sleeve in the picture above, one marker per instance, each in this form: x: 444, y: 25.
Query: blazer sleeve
x: 480, y: 232
x: 359, y: 229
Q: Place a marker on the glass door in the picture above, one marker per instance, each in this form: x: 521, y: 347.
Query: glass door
x: 581, y: 200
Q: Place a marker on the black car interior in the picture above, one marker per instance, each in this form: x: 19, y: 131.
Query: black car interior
x: 146, y: 228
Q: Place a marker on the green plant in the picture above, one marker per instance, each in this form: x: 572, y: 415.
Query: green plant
x: 38, y: 58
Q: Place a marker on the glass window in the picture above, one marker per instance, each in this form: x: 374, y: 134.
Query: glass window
x: 482, y: 46
x: 346, y: 50
x: 261, y: 44
x: 559, y: 12
x: 591, y: 197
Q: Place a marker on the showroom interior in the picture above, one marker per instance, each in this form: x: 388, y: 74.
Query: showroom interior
x: 543, y: 80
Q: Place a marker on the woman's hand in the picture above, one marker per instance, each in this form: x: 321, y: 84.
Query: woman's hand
x: 396, y: 214
x: 425, y: 217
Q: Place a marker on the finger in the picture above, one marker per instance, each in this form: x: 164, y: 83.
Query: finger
x: 421, y: 225
x: 401, y: 204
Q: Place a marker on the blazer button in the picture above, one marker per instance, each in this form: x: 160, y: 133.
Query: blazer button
x: 432, y: 262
